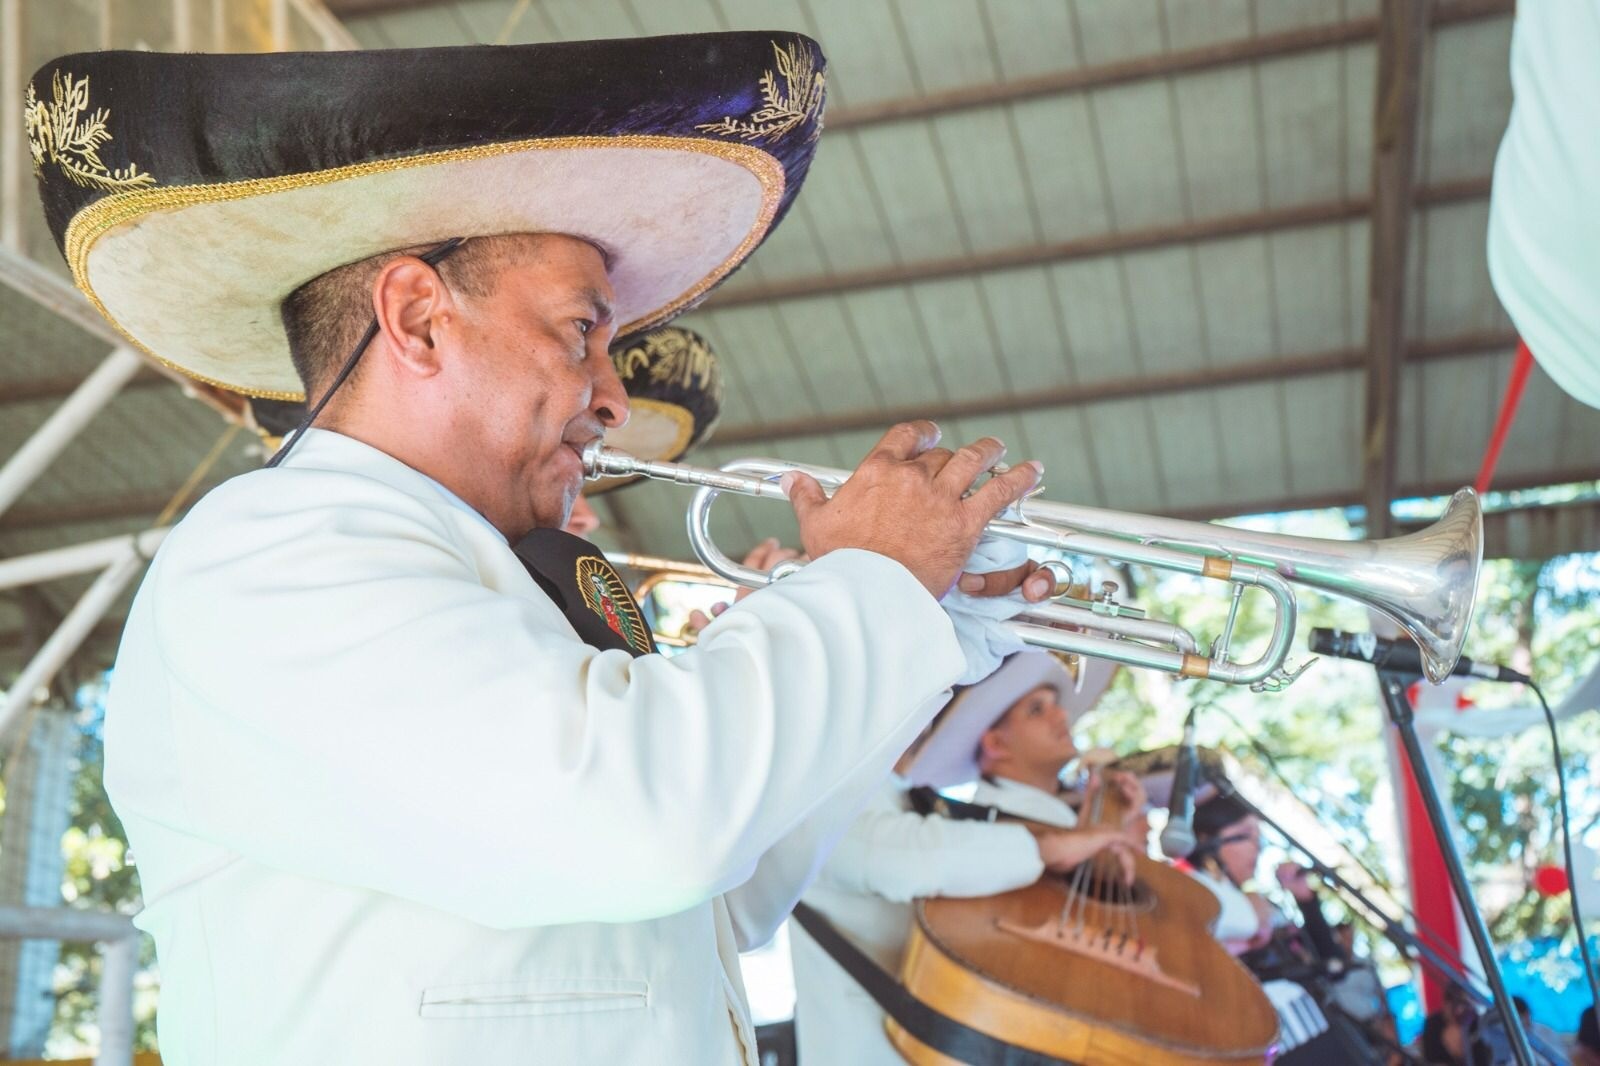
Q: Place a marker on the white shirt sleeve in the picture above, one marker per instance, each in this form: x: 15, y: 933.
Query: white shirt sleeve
x: 901, y: 855
x: 336, y: 693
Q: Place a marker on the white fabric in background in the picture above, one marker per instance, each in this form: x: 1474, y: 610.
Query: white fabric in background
x: 1544, y: 211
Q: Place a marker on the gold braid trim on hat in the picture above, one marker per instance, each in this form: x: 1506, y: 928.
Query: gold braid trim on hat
x: 98, y: 218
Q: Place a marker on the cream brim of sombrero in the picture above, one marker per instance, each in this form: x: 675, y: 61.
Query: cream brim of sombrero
x: 195, y: 275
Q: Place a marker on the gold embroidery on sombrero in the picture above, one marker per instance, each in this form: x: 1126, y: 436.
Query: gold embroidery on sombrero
x: 672, y: 357
x: 800, y: 98
x: 58, y: 133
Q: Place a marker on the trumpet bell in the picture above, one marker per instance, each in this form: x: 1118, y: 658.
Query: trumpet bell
x: 1425, y: 582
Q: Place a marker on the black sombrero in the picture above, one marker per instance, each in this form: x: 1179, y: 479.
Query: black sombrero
x: 190, y: 194
x: 674, y: 388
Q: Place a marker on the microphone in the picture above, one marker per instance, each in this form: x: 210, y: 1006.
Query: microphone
x: 1177, y: 839
x: 1401, y: 655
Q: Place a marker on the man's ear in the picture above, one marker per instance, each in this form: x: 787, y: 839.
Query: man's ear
x: 410, y: 303
x: 991, y: 746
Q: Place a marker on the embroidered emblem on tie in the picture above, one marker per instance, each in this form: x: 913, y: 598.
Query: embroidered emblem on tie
x: 606, y: 595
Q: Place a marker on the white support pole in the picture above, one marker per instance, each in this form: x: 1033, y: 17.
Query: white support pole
x: 280, y: 25
x: 183, y: 25
x: 120, y: 962
x: 72, y: 631
x: 121, y: 953
x: 75, y: 412
x: 77, y: 559
x: 12, y: 80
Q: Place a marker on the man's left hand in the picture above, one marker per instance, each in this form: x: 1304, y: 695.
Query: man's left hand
x: 1035, y: 581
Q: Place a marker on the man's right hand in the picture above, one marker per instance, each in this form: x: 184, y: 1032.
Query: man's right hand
x: 1063, y: 849
x: 908, y: 500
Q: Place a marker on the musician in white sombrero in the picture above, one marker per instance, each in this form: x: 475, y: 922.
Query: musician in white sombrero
x: 402, y: 793
x: 894, y: 853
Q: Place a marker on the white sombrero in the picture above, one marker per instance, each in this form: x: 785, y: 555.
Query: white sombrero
x: 948, y: 752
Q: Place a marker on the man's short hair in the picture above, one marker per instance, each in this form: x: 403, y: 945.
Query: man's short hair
x: 326, y: 316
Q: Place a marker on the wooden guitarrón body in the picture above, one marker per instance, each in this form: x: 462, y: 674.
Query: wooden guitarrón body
x: 1005, y: 965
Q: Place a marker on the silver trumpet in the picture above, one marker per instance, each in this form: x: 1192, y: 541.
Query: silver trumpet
x: 1424, y: 582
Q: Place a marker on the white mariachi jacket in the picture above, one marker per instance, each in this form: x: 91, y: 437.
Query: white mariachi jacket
x: 388, y: 809
x: 889, y: 856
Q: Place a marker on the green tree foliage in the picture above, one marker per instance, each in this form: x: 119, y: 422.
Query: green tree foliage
x: 1325, y: 733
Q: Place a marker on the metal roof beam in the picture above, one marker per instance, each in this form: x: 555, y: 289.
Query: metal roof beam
x: 1164, y: 64
x: 1401, y: 42
x: 1160, y: 65
x: 1257, y: 222
x: 1279, y: 368
x: 1417, y: 490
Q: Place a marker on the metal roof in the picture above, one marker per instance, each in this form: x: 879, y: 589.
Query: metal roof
x: 1129, y: 237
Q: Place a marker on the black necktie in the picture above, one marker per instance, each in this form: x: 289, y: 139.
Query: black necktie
x: 587, y: 589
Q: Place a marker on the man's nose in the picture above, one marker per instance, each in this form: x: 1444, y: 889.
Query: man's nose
x: 610, y: 400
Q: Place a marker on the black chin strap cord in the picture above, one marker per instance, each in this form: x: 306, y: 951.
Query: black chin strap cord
x: 432, y: 258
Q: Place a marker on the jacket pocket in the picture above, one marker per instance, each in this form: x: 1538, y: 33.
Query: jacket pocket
x: 544, y: 995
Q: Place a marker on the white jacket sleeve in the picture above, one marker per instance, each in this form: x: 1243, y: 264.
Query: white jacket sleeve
x: 760, y: 905
x: 901, y: 855
x: 336, y: 693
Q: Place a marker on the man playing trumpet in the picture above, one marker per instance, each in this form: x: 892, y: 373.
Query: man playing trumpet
x: 389, y: 805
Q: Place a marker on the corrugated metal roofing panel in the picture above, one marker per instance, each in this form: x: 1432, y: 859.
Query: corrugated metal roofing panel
x: 1193, y: 454
x: 1238, y: 322
x: 1126, y: 460
x: 1308, y: 300
x: 962, y: 344
x: 1468, y: 100
x: 1033, y: 37
x: 947, y: 43
x: 1109, y: 30
x: 1165, y: 309
x: 1254, y: 436
x: 1133, y: 127
x: 1221, y: 152
x: 904, y: 167
x: 866, y: 53
x: 1093, y: 304
x: 1196, y: 25
x: 1064, y: 167
x: 1030, y: 340
x: 1302, y: 112
x: 993, y: 206
x: 1456, y: 296
x: 1060, y: 439
x: 1324, y: 415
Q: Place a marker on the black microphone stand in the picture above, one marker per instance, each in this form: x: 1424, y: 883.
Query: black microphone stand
x: 1394, y: 685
